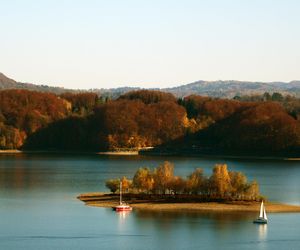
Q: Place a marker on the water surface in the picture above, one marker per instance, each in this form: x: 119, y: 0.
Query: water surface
x: 39, y: 209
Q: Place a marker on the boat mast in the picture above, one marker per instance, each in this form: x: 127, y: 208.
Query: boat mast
x: 120, y: 192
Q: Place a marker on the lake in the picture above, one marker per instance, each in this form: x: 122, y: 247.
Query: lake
x: 39, y: 209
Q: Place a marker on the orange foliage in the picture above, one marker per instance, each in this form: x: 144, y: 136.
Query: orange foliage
x: 135, y: 124
x: 149, y: 96
x: 27, y: 111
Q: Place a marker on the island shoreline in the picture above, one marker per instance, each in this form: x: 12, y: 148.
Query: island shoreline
x: 105, y: 200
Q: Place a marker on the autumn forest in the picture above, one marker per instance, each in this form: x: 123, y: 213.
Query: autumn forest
x: 259, y: 125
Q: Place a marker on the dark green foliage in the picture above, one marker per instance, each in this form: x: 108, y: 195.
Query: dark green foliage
x: 113, y: 185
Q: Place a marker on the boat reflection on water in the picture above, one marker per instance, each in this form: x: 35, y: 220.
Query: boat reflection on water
x: 262, y: 232
x: 123, y: 214
x: 122, y: 221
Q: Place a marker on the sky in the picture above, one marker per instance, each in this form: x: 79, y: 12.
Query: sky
x: 148, y: 43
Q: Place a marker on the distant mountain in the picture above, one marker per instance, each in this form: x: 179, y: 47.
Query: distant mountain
x: 224, y: 89
x: 229, y: 89
x: 7, y: 83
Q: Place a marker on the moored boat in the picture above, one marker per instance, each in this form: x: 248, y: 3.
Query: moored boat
x: 122, y: 206
x: 262, y: 219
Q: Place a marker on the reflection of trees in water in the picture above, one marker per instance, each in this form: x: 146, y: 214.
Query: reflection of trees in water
x: 218, y: 216
x: 18, y: 176
x: 195, y: 220
x: 26, y: 171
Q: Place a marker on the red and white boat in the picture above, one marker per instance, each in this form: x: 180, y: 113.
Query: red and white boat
x: 122, y: 206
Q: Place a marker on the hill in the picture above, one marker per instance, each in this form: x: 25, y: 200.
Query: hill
x: 222, y: 89
x: 229, y: 89
x: 7, y: 83
x: 34, y: 120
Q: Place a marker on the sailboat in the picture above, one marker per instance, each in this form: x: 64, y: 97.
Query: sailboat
x: 122, y: 206
x: 262, y: 219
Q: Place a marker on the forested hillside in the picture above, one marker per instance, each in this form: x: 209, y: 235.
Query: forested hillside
x: 219, y: 89
x: 87, y: 122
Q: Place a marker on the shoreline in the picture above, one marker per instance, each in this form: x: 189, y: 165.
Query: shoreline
x: 108, y: 201
x: 119, y: 153
x: 141, y: 153
x: 10, y: 151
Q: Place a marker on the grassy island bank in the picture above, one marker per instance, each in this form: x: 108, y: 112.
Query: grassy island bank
x: 169, y: 204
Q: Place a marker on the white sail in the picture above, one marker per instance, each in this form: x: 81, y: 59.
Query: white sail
x: 265, y: 215
x: 261, y: 210
x: 262, y: 219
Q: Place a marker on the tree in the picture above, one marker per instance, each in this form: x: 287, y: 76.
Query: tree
x: 126, y: 184
x: 113, y: 185
x: 238, y: 184
x: 149, y: 96
x: 143, y: 179
x: 178, y: 185
x: 163, y: 177
x: 82, y: 103
x: 195, y: 181
x: 222, y: 184
x: 277, y: 97
x: 220, y: 181
x: 252, y: 191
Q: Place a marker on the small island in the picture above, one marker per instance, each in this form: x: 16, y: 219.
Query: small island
x: 160, y: 190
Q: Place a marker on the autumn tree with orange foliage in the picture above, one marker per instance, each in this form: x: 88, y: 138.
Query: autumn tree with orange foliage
x: 143, y: 180
x: 23, y: 112
x: 82, y: 103
x: 148, y: 96
x: 265, y: 127
x: 133, y: 124
x: 163, y: 177
x: 221, y: 185
x: 192, y: 125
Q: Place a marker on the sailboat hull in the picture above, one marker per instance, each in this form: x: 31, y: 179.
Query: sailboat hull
x: 122, y: 208
x: 260, y: 221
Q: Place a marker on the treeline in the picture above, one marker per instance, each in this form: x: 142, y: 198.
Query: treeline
x: 24, y: 113
x: 290, y: 103
x: 194, y: 124
x: 221, y: 126
x: 115, y: 125
x: 221, y: 184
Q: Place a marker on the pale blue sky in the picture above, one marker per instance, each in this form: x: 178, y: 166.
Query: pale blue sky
x: 148, y: 43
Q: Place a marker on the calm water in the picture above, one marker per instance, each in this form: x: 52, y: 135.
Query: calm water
x: 39, y: 210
